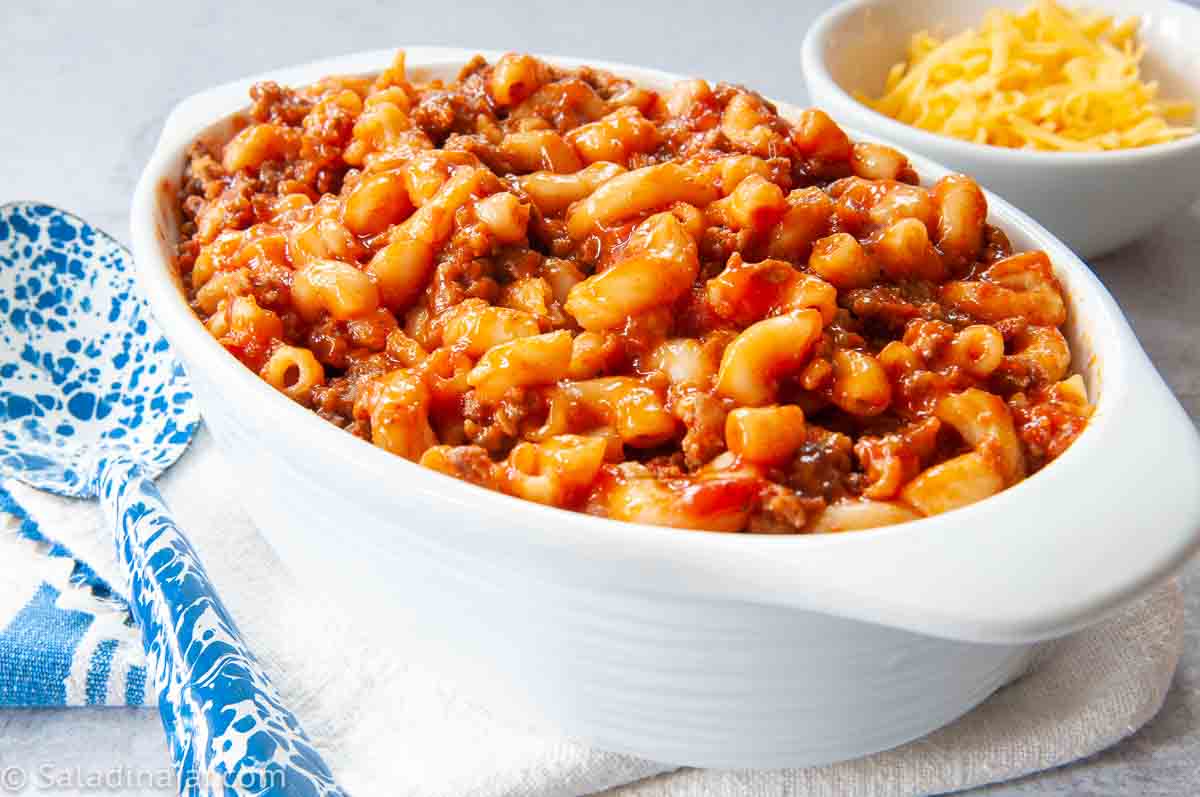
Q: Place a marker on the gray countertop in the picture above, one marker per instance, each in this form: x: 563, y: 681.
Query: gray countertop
x: 84, y: 89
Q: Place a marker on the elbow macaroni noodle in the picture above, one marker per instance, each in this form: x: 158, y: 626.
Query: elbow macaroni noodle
x: 672, y: 308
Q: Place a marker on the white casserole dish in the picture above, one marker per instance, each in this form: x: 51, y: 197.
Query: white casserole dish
x: 691, y: 647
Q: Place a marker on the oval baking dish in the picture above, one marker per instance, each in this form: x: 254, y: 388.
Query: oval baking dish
x: 689, y: 647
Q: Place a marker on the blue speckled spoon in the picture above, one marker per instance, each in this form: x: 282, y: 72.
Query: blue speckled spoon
x: 93, y: 405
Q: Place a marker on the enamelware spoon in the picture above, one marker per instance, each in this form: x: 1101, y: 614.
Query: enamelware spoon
x: 92, y: 405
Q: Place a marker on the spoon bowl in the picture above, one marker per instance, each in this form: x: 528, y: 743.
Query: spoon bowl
x: 82, y: 369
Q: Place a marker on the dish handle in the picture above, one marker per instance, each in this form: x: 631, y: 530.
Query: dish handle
x: 1115, y: 514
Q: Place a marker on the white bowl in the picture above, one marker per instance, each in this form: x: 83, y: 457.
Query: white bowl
x: 690, y: 647
x: 1095, y: 202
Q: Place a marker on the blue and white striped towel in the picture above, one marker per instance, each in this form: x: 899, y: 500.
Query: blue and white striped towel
x: 66, y: 637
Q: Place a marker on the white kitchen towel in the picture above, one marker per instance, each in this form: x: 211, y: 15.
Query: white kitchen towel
x: 389, y: 724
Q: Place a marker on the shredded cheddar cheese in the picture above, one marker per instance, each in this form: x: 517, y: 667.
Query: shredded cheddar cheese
x: 1045, y: 78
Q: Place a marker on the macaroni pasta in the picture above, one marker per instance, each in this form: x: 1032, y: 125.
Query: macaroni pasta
x: 672, y: 308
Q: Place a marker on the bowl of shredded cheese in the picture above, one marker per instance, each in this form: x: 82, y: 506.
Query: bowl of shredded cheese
x: 1082, y: 115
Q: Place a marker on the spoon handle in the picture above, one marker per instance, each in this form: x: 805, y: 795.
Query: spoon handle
x: 228, y: 730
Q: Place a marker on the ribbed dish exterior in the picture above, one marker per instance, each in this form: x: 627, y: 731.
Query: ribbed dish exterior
x: 684, y: 681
